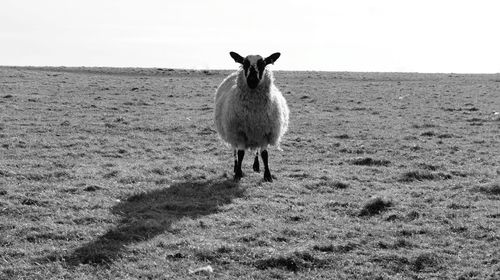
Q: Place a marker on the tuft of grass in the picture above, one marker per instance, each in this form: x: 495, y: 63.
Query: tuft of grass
x: 176, y: 256
x: 411, y: 232
x: 160, y: 171
x: 427, y: 166
x: 446, y: 135
x: 399, y: 243
x: 92, y: 188
x: 375, y: 205
x: 413, y: 215
x: 324, y: 248
x: 206, y: 255
x: 342, y: 136
x: 163, y: 181
x: 491, y: 189
x: 428, y: 262
x: 425, y: 125
x: 111, y: 174
x: 51, y: 176
x: 299, y: 176
x: 422, y: 175
x: 326, y: 185
x: 330, y: 248
x: 222, y: 254
x: 33, y: 202
x: 130, y: 180
x: 428, y: 134
x: 425, y: 262
x: 339, y: 185
x: 367, y: 161
x: 295, y: 262
x: 394, y: 262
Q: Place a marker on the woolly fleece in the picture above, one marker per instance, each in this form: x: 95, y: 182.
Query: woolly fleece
x: 250, y: 118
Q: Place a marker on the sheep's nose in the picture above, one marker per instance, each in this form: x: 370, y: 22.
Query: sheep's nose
x: 252, y: 82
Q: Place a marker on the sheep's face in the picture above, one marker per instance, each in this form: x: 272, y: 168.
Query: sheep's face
x: 254, y: 67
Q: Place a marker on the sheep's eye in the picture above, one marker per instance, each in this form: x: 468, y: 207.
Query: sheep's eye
x: 261, y: 65
x: 246, y: 65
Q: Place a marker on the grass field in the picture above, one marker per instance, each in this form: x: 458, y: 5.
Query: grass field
x: 119, y: 174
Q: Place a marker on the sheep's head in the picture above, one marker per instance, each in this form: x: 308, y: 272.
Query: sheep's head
x: 254, y: 66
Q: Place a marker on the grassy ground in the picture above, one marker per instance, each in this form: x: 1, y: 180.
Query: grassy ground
x: 119, y: 174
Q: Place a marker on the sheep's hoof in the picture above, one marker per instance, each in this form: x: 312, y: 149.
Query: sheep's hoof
x: 238, y: 176
x: 268, y: 177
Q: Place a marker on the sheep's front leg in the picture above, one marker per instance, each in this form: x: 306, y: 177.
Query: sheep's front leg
x: 267, y: 173
x: 238, y: 158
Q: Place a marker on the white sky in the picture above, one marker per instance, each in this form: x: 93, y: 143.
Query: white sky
x: 360, y: 35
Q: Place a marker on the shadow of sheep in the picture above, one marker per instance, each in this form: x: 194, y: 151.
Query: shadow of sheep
x: 148, y: 214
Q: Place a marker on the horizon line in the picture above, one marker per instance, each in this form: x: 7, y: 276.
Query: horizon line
x: 41, y: 67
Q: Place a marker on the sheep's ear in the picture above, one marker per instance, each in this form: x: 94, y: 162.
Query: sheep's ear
x: 272, y: 58
x: 238, y: 58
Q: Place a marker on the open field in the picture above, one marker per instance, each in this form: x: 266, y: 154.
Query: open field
x: 118, y: 174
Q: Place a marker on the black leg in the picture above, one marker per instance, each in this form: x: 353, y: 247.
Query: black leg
x: 256, y: 166
x: 235, y: 161
x: 267, y: 173
x: 238, y: 173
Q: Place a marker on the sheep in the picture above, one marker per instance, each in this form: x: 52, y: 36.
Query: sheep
x: 250, y: 111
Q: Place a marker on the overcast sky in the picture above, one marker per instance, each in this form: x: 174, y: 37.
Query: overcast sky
x: 360, y: 35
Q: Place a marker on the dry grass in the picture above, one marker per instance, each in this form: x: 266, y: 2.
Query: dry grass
x: 118, y: 174
x: 375, y: 205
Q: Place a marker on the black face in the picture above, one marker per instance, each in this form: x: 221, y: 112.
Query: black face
x: 254, y: 71
x: 254, y: 66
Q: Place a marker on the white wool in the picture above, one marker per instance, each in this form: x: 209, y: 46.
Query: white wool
x: 250, y: 118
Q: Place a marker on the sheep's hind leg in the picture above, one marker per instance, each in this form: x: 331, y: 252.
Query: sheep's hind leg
x: 238, y: 158
x: 256, y: 166
x: 267, y: 173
